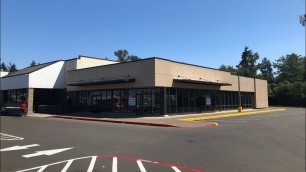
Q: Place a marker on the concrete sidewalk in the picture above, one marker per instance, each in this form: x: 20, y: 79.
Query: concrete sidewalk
x: 178, y: 121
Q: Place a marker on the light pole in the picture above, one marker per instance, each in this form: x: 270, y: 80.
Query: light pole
x: 239, y: 95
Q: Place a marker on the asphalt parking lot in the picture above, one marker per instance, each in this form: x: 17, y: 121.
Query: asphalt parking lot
x: 263, y: 142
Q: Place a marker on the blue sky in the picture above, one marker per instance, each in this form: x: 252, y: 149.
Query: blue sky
x: 202, y: 32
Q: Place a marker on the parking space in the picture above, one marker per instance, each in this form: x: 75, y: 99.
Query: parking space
x: 113, y: 163
x: 110, y: 163
x: 257, y: 141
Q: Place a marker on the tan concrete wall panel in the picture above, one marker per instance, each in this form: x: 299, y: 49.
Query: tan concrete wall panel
x: 85, y: 62
x: 142, y: 71
x: 261, y: 94
x: 166, y: 71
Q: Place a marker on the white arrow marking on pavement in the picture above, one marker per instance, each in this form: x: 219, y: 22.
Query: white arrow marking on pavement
x: 46, y: 152
x: 18, y: 147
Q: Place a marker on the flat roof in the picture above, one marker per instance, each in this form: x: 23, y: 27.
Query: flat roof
x: 150, y: 58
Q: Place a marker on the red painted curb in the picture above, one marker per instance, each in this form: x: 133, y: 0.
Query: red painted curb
x: 114, y: 121
x: 211, y: 124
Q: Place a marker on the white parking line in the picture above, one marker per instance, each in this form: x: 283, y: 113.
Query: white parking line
x: 114, y: 168
x: 141, y: 167
x: 9, y: 137
x: 175, y: 169
x: 92, y: 164
x: 43, y: 167
x: 67, y: 166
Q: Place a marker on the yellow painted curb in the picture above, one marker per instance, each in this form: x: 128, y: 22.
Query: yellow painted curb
x: 230, y: 115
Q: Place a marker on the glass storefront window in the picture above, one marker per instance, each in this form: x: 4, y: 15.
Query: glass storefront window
x: 116, y: 101
x: 132, y: 101
x: 186, y: 100
x: 156, y: 100
x: 180, y: 101
x: 172, y: 100
x: 15, y: 96
x: 124, y: 100
x: 96, y: 101
x: 147, y: 101
x: 192, y: 100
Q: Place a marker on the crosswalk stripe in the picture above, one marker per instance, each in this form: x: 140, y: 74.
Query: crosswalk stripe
x: 141, y: 167
x: 175, y: 169
x: 67, y: 166
x: 114, y: 164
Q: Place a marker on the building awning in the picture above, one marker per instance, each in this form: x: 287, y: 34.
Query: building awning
x: 101, y: 82
x: 190, y: 81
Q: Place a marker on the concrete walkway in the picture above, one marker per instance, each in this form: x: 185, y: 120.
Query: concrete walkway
x: 179, y: 121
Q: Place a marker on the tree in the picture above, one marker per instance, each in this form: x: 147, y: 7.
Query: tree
x: 266, y: 70
x: 11, y: 67
x: 304, y: 68
x: 33, y: 63
x: 287, y: 93
x: 133, y: 58
x: 247, y: 65
x: 228, y: 68
x: 123, y: 56
x: 3, y: 67
x: 303, y: 20
x: 290, y: 68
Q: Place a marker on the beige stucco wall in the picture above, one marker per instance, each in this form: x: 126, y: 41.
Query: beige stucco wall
x: 166, y: 71
x: 160, y: 73
x: 142, y: 71
x: 261, y: 93
x: 85, y: 62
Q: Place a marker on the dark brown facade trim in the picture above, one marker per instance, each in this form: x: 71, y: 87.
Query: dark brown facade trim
x: 201, y: 82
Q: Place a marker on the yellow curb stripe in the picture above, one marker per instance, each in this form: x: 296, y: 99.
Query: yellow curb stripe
x: 230, y: 115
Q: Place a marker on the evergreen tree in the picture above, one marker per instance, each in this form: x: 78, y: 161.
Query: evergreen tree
x: 33, y: 63
x: 266, y: 70
x: 12, y: 67
x: 247, y: 65
x: 3, y: 67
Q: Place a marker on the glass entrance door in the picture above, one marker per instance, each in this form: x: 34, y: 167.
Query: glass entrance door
x: 139, y: 103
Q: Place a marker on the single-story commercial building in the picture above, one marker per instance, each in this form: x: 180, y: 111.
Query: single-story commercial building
x: 148, y: 86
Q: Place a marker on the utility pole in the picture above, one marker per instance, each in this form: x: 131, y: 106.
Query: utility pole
x: 239, y: 94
